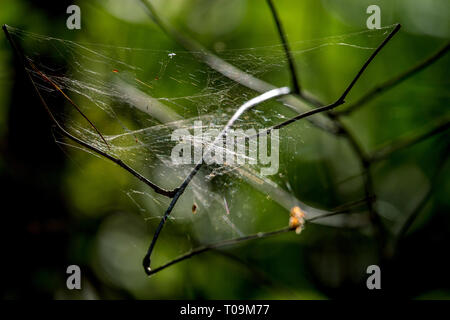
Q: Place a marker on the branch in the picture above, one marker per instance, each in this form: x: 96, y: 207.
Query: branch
x: 294, y: 79
x: 179, y: 191
x: 408, y: 141
x: 68, y: 135
x: 368, y: 185
x: 230, y: 242
x: 395, y: 81
x: 372, y: 56
x: 218, y: 245
x: 54, y: 85
x: 341, y: 99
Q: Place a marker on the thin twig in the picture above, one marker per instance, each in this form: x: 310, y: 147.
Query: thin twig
x: 218, y: 245
x: 54, y: 85
x: 234, y: 241
x: 408, y: 141
x: 294, y: 78
x: 352, y: 204
x: 372, y: 56
x: 68, y: 135
x: 389, y: 84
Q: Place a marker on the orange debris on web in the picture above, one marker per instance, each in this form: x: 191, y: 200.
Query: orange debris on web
x: 297, y: 219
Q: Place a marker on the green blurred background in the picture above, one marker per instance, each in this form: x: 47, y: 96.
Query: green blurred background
x: 62, y: 206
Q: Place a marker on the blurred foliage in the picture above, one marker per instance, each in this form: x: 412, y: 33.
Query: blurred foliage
x: 102, y: 230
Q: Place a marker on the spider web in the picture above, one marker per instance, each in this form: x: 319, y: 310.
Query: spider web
x: 137, y: 97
